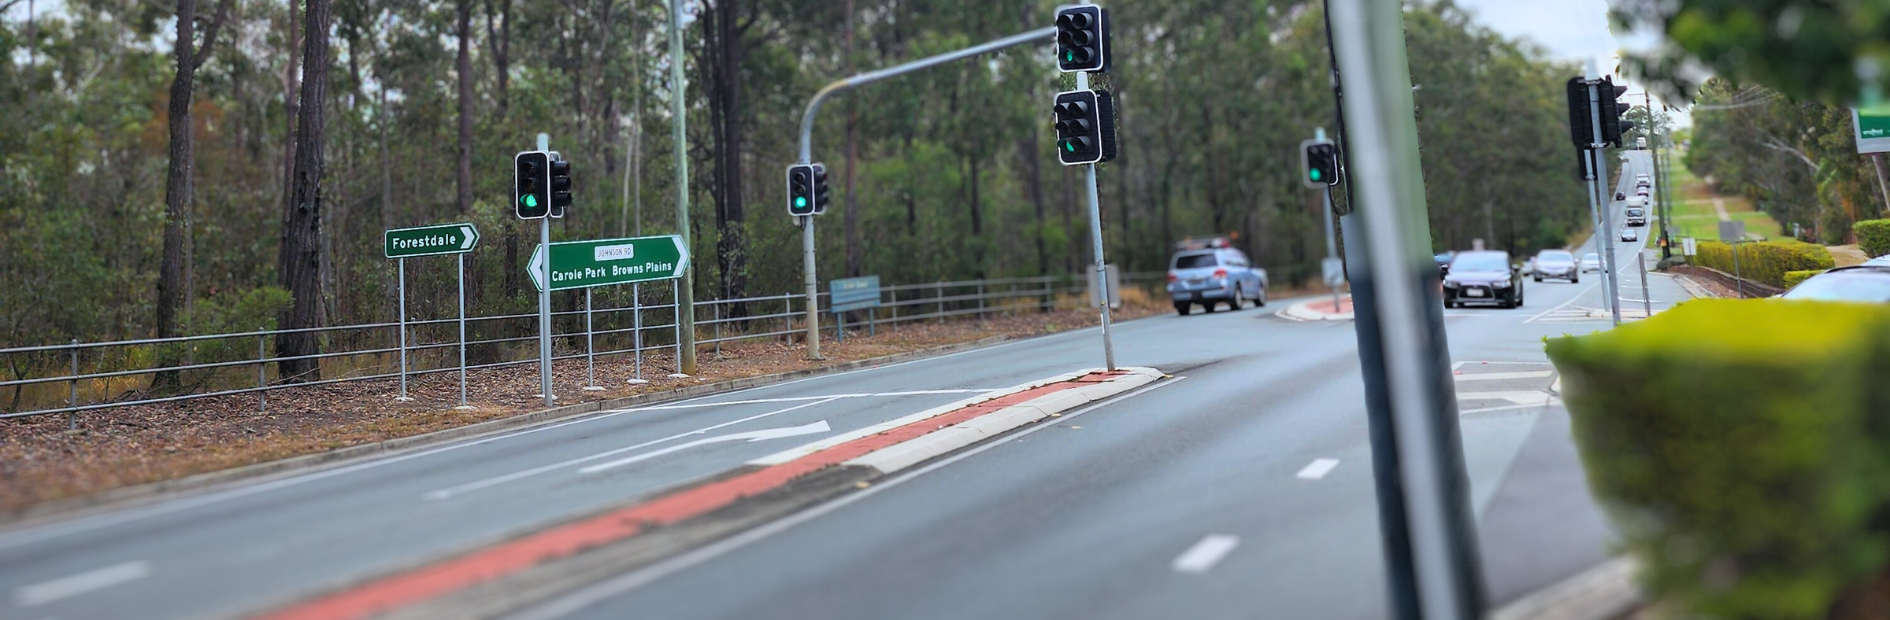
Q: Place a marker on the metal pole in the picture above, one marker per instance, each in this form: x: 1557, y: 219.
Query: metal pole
x: 938, y: 292
x: 685, y: 295
x: 590, y: 348
x: 1609, y: 265
x: 403, y: 330
x: 1647, y: 299
x: 715, y: 310
x: 676, y: 310
x: 636, y: 329
x: 461, y: 272
x: 72, y: 402
x: 1428, y: 527
x: 1739, y: 281
x: 1594, y: 211
x: 544, y: 298
x: 1096, y: 243
x: 262, y: 371
x: 813, y: 288
x: 1332, y: 243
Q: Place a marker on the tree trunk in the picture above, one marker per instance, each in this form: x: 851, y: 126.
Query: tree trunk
x: 855, y: 254
x: 291, y: 86
x: 499, y: 43
x: 463, y: 67
x: 725, y: 44
x: 179, y: 189
x: 299, y: 260
x: 1033, y: 185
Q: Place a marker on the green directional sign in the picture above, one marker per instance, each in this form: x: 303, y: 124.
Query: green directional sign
x: 430, y: 240
x: 584, y: 264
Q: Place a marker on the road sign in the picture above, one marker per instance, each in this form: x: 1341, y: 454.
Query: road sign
x: 1871, y: 129
x: 584, y: 264
x: 1732, y: 231
x: 1334, y: 271
x: 854, y: 293
x: 430, y: 240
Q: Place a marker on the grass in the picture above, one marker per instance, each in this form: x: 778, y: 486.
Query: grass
x: 1694, y: 215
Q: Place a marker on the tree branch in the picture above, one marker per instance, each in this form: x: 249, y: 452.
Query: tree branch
x: 210, y: 35
x: 1774, y: 144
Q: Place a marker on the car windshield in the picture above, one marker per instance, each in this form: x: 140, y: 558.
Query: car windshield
x: 1865, y: 286
x: 1195, y: 261
x: 1480, y: 262
x: 1633, y: 211
x: 1591, y: 258
x: 1555, y: 256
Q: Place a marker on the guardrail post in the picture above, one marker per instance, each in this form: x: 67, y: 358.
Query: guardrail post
x: 716, y: 309
x: 938, y: 291
x: 787, y: 315
x: 72, y: 402
x: 262, y: 370
x: 636, y: 329
x: 981, y: 300
x: 871, y: 329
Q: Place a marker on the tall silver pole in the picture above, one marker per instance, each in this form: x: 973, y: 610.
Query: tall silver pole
x: 590, y: 347
x: 544, y: 297
x: 1096, y: 243
x: 402, y: 262
x: 685, y: 291
x: 1647, y: 299
x: 1332, y: 243
x: 813, y: 287
x: 1592, y: 187
x: 1433, y: 554
x: 1609, y: 265
x: 636, y: 329
x: 462, y: 330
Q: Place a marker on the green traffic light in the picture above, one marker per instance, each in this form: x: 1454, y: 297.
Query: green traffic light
x: 529, y: 200
x: 1315, y: 174
x: 800, y: 202
x: 1069, y: 146
x: 1069, y: 56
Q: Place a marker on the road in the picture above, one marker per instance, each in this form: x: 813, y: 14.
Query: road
x: 1242, y: 486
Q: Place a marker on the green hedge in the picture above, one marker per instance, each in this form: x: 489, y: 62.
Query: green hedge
x: 1765, y: 261
x: 1792, y: 278
x: 1873, y: 236
x: 1748, y: 468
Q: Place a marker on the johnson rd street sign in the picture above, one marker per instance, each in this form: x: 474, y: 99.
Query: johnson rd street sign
x: 584, y: 264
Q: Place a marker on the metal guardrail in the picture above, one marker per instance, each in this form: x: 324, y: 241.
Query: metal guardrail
x: 773, y: 316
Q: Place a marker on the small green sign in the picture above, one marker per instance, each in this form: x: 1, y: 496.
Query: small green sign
x: 584, y: 264
x: 430, y: 240
x: 1872, y: 130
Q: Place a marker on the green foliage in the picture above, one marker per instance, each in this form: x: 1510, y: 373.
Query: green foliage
x: 1796, y: 161
x: 1745, y: 467
x: 1873, y: 236
x: 1808, y: 50
x: 1765, y: 261
x: 1792, y: 278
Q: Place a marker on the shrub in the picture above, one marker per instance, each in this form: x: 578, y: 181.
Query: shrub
x: 1743, y: 466
x: 1765, y: 261
x: 1792, y: 278
x: 1873, y: 236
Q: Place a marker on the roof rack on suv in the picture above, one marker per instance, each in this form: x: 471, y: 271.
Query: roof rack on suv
x: 1215, y: 242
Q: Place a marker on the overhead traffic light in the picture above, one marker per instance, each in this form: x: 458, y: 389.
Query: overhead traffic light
x: 1082, y: 39
x: 1320, y: 160
x: 807, y: 189
x: 1612, y: 125
x: 1086, y: 127
x: 531, y: 187
x: 560, y: 187
x: 1581, y: 126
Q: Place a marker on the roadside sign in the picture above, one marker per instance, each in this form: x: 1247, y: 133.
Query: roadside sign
x: 1115, y: 287
x: 1334, y: 271
x: 1872, y: 129
x: 584, y: 264
x: 1732, y: 231
x: 854, y: 293
x: 1687, y: 247
x: 430, y: 240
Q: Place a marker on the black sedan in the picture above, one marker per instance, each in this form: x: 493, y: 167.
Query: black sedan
x: 1483, y: 278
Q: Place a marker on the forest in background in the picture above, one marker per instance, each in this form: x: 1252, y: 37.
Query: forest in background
x: 298, y: 151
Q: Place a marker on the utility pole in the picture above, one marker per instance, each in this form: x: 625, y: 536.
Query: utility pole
x: 686, y: 289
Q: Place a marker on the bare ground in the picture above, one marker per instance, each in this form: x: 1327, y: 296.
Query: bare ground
x: 42, y: 459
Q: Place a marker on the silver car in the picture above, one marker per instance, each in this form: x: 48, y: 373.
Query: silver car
x: 1214, y: 275
x: 1591, y: 262
x: 1558, y: 264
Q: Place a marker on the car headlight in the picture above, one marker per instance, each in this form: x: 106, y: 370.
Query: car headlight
x: 1450, y: 284
x: 1500, y: 284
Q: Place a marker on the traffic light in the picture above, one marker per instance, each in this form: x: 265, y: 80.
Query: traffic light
x: 800, y: 189
x: 821, y: 197
x: 1612, y: 125
x: 1581, y: 127
x: 1086, y: 127
x: 1082, y: 39
x: 1320, y: 159
x: 560, y: 187
x: 531, y: 188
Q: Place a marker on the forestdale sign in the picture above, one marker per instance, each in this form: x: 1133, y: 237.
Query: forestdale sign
x: 430, y: 240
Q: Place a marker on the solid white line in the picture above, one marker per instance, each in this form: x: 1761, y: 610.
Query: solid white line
x: 1202, y: 557
x: 1495, y: 376
x: 1519, y: 397
x: 790, y: 399
x: 1317, y: 469
x: 578, y: 600
x: 497, y: 480
x: 1507, y: 408
x: 1571, y: 300
x: 49, y: 531
x: 74, y: 585
x: 760, y: 435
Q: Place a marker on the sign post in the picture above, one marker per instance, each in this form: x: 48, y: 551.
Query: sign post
x: 403, y: 243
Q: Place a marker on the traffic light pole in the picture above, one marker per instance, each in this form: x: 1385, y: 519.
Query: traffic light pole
x: 685, y: 290
x: 1609, y: 265
x: 1046, y: 33
x: 544, y: 297
x: 1096, y: 242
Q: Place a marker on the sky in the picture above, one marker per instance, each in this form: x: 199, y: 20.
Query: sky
x: 1568, y: 29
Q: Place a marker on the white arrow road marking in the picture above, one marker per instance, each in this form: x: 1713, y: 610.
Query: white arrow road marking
x: 1520, y: 398
x: 1493, y: 376
x: 1202, y: 557
x: 470, y: 236
x: 1318, y: 469
x: 751, y: 436
x: 74, y: 585
x: 496, y: 480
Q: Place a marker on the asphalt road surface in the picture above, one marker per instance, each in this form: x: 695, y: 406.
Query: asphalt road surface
x: 1239, y: 488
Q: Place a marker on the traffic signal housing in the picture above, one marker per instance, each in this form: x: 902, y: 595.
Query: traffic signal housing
x: 1612, y: 108
x: 560, y: 187
x: 1085, y: 127
x: 531, y: 186
x: 807, y: 189
x: 1082, y: 39
x: 1320, y: 160
x: 1581, y: 126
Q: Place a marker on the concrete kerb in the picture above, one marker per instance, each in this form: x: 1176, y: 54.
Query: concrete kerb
x: 1303, y: 311
x: 128, y: 497
x: 1603, y: 592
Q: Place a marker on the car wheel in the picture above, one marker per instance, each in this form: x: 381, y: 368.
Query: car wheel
x: 1207, y: 307
x: 1260, y: 300
x: 1538, y: 278
x: 1239, y: 301
x: 1182, y: 307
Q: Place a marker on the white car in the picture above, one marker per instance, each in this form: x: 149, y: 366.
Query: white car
x: 1628, y: 234
x: 1591, y: 262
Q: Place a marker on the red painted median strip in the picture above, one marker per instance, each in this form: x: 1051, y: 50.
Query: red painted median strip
x: 455, y: 574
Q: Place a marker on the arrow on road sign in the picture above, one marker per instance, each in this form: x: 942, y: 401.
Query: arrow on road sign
x: 584, y: 264
x: 430, y: 240
x: 751, y: 436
